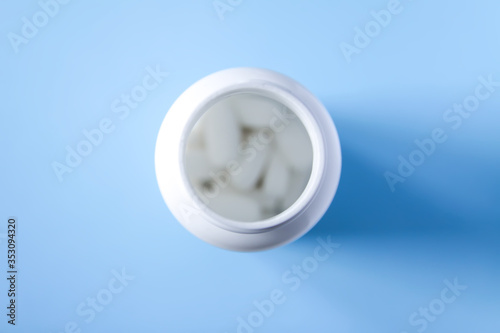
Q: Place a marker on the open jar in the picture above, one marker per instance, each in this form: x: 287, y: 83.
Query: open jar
x: 247, y: 159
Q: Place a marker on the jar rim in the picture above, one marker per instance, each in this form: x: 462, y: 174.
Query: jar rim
x: 304, y: 115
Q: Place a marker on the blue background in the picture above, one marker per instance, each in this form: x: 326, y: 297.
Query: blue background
x: 108, y: 214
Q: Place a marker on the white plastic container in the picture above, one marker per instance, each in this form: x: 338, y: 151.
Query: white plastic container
x: 211, y: 219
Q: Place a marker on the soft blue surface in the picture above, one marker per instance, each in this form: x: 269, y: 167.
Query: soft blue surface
x: 397, y: 247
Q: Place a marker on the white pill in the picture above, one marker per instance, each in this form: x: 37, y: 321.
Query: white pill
x: 297, y: 184
x: 276, y: 178
x: 265, y: 201
x: 222, y: 134
x: 195, y: 138
x: 254, y: 111
x: 251, y: 167
x: 196, y: 165
x: 235, y: 206
x: 293, y: 141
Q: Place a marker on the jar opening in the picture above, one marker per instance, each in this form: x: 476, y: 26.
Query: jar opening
x: 248, y: 157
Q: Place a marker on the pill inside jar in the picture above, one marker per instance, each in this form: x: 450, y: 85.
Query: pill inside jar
x: 248, y: 158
